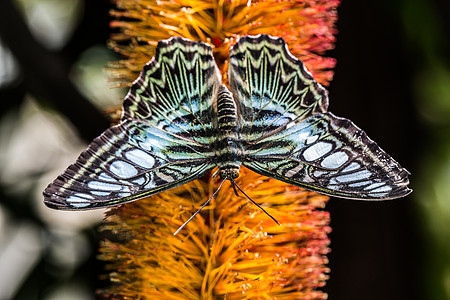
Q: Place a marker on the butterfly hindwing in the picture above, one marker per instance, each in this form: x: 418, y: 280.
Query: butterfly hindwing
x: 273, y: 88
x: 127, y: 162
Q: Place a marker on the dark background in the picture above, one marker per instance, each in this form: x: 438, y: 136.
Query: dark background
x: 392, y: 79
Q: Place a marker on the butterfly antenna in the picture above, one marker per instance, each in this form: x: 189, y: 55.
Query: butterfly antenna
x: 234, y: 182
x: 235, y: 190
x: 206, y: 203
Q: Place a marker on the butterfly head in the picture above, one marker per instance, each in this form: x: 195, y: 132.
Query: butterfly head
x: 229, y: 173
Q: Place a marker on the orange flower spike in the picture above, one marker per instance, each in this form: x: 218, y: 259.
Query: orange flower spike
x: 231, y: 249
x: 237, y: 248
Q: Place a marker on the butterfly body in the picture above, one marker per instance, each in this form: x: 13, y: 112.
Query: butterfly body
x: 228, y: 148
x: 179, y: 122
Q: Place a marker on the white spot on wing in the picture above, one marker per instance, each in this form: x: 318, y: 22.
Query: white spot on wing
x: 317, y: 150
x: 124, y: 194
x: 140, y: 158
x: 106, y: 177
x: 79, y: 204
x: 351, y: 167
x: 139, y: 181
x: 385, y: 188
x: 362, y: 183
x: 145, y: 145
x: 152, y: 142
x: 84, y: 195
x: 305, y: 136
x: 374, y: 185
x: 150, y: 185
x: 335, y: 160
x: 98, y: 185
x: 379, y: 195
x: 312, y: 139
x: 123, y: 169
x: 80, y: 200
x: 354, y: 176
x: 319, y: 173
x: 98, y: 193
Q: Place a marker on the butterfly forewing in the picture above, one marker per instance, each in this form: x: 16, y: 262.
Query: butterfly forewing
x: 127, y: 162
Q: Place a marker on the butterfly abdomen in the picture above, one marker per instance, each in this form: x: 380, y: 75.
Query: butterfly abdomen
x: 228, y: 148
x: 226, y: 111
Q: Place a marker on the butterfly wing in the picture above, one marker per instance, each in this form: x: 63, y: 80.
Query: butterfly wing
x: 176, y: 90
x: 163, y: 140
x: 127, y: 162
x: 288, y: 135
x: 273, y: 88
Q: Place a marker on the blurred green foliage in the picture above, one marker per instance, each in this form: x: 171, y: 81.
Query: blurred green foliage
x: 427, y: 31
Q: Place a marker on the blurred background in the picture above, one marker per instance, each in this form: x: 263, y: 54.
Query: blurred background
x: 392, y: 79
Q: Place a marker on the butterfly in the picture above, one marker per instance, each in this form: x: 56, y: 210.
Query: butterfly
x: 179, y: 122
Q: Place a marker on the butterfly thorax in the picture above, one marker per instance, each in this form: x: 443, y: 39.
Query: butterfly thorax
x: 228, y: 149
